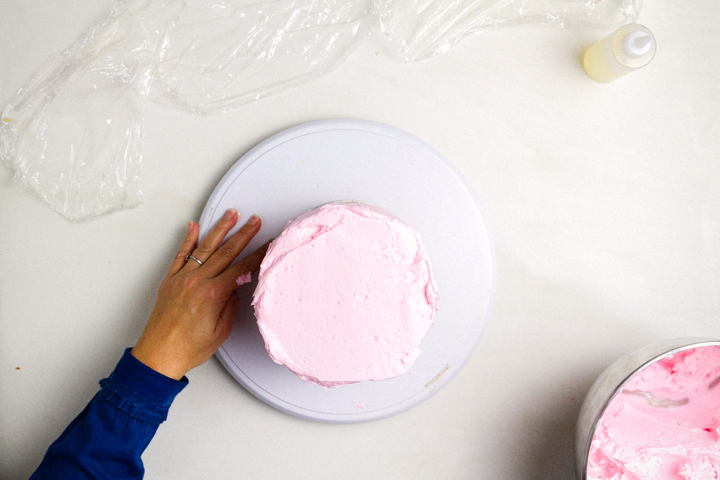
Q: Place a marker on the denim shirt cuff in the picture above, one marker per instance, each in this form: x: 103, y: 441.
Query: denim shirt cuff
x: 140, y: 391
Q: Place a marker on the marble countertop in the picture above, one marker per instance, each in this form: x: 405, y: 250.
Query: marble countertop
x: 603, y: 201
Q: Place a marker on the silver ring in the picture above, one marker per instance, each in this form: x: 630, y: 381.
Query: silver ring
x: 190, y: 256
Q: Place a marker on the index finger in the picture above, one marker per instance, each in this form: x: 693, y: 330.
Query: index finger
x: 226, y: 254
x: 249, y: 264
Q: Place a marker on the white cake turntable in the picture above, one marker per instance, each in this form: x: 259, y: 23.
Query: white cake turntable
x: 330, y: 160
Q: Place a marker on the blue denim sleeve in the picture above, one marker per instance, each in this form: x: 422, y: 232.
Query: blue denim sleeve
x: 106, y: 440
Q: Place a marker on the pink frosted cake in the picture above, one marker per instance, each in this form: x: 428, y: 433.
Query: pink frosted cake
x: 665, y: 425
x: 345, y: 294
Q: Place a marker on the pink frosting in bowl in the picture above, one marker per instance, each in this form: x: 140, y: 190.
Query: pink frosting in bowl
x: 665, y: 422
x: 345, y: 294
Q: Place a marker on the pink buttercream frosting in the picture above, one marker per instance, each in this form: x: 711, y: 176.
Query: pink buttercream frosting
x: 665, y: 424
x: 243, y: 279
x: 345, y: 294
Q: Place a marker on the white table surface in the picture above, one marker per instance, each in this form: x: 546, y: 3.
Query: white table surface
x: 603, y: 200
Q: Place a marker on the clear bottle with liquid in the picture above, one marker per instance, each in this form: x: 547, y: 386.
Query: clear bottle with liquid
x: 627, y: 49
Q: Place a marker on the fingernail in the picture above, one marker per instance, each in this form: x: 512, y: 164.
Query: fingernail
x: 190, y: 226
x: 254, y: 220
x: 230, y: 214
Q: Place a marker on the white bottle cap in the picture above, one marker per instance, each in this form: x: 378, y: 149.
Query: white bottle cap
x: 637, y: 44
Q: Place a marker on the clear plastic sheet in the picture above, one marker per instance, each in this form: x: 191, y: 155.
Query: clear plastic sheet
x: 419, y: 29
x: 74, y: 133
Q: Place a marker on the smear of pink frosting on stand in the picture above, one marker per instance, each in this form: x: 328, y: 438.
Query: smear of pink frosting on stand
x: 345, y: 294
x: 665, y: 425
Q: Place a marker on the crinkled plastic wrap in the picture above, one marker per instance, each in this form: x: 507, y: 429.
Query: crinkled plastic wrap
x: 74, y: 138
x: 419, y: 29
x: 74, y: 133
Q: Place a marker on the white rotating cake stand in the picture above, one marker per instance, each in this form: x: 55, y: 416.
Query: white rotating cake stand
x: 330, y: 160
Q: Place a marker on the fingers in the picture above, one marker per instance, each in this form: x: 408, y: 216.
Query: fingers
x: 186, y: 248
x: 213, y: 239
x: 251, y: 263
x: 228, y: 252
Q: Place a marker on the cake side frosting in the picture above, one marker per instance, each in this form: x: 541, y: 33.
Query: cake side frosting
x: 665, y: 425
x: 345, y: 294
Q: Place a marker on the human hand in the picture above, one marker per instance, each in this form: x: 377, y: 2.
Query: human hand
x: 196, y: 304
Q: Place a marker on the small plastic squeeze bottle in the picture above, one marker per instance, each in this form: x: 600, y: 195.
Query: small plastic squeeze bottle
x: 627, y: 49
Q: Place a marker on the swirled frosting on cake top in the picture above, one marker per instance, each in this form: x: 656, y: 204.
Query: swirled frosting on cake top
x: 345, y: 294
